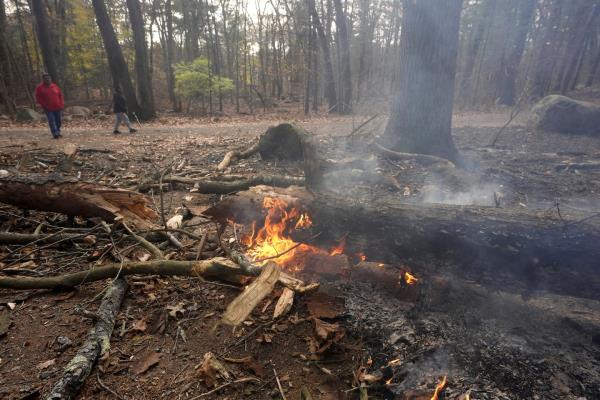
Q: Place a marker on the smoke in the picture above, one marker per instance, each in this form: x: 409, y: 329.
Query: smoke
x: 483, y: 194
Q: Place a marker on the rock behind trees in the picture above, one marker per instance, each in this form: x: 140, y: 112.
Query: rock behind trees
x: 562, y: 114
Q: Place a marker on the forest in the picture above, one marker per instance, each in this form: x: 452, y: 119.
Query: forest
x: 312, y: 199
x: 332, y: 56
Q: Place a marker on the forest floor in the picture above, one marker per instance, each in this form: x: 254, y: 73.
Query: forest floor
x: 495, y: 344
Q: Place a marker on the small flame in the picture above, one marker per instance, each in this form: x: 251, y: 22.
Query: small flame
x: 389, y: 381
x: 303, y: 222
x: 394, y: 362
x: 409, y: 278
x: 438, y: 389
x: 361, y: 257
x: 339, y: 249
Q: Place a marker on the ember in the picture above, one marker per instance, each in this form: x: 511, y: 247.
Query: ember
x: 409, y: 278
x: 439, y: 388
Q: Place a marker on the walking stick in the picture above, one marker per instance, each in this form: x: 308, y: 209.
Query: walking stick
x: 137, y: 119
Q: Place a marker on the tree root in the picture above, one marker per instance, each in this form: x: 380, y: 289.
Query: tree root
x: 96, y: 344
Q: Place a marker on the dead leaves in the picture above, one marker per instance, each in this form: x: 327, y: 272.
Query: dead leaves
x: 46, y: 364
x: 327, y: 334
x: 211, y: 369
x: 144, y: 364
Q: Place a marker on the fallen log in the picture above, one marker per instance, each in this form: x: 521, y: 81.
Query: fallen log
x: 518, y: 248
x: 96, y: 344
x: 69, y: 196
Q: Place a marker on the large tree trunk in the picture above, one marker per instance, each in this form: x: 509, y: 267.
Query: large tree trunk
x: 524, y: 22
x: 422, y: 108
x: 520, y: 249
x: 116, y: 62
x: 346, y: 86
x: 142, y: 68
x: 170, y: 55
x: 45, y: 39
x: 6, y: 76
x: 547, y: 44
x: 330, y: 93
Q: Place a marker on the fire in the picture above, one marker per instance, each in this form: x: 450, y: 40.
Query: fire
x: 409, y: 278
x: 438, y: 389
x: 273, y: 241
x: 339, y: 249
x: 361, y: 257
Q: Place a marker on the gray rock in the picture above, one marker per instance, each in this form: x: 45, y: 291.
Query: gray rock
x: 4, y: 117
x: 62, y: 343
x: 562, y: 114
x: 67, y: 118
x: 78, y: 111
x: 25, y: 114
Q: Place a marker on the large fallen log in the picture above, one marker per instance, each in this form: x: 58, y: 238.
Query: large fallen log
x: 69, y: 196
x: 520, y: 248
x: 226, y: 186
x: 96, y: 344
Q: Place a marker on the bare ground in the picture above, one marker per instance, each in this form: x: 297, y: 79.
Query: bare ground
x: 498, y: 345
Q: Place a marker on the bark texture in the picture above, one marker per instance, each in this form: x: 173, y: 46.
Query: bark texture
x: 96, y: 344
x: 45, y: 38
x: 142, y: 68
x: 116, y: 61
x: 421, y: 115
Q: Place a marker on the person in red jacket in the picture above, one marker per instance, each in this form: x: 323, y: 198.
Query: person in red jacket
x: 50, y: 98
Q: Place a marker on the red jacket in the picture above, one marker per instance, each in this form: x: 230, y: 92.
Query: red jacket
x: 49, y: 97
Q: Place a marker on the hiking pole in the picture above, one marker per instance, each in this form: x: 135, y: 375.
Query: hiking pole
x: 137, y: 119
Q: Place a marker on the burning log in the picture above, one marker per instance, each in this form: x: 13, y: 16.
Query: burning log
x: 521, y: 248
x: 69, y: 196
x: 283, y: 142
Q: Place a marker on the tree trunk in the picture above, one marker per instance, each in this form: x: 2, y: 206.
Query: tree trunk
x: 142, y: 69
x: 546, y: 57
x: 346, y: 64
x: 116, y: 62
x: 524, y: 23
x: 170, y: 55
x: 421, y: 117
x: 330, y: 93
x: 45, y: 39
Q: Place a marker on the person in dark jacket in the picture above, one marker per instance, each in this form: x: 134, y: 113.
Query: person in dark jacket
x: 120, y: 109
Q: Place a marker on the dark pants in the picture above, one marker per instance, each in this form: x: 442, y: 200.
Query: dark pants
x: 54, y: 121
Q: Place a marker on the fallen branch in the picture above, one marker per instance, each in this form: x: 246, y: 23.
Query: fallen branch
x: 241, y: 307
x: 224, y: 186
x: 237, y: 155
x: 217, y: 268
x: 96, y: 344
x: 27, y: 238
x: 155, y: 251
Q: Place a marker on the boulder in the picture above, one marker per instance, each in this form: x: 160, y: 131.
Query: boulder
x: 25, y: 114
x: 78, y: 111
x: 562, y: 114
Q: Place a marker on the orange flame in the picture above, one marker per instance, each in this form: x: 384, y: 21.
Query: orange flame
x: 339, y: 249
x: 361, y: 256
x: 273, y: 241
x: 438, y: 389
x: 409, y: 278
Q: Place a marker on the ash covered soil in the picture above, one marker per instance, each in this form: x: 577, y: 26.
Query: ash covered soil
x: 491, y: 344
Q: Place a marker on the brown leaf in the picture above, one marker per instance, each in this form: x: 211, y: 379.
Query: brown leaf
x: 46, y: 364
x: 211, y: 369
x: 143, y: 365
x: 174, y: 310
x: 139, y: 325
x: 324, y: 329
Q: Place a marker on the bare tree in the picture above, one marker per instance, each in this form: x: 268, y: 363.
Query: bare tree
x: 116, y: 62
x: 345, y: 106
x: 45, y: 38
x: 421, y: 116
x: 330, y: 92
x: 142, y: 68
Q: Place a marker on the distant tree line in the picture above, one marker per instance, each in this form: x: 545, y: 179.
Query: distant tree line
x: 332, y: 55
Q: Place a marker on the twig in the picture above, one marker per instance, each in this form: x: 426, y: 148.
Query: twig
x: 279, y: 385
x: 201, y: 245
x: 149, y: 246
x: 363, y: 124
x: 516, y: 110
x: 162, y: 202
x: 109, y: 390
x: 241, y: 380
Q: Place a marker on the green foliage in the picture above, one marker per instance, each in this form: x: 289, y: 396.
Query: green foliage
x: 193, y: 81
